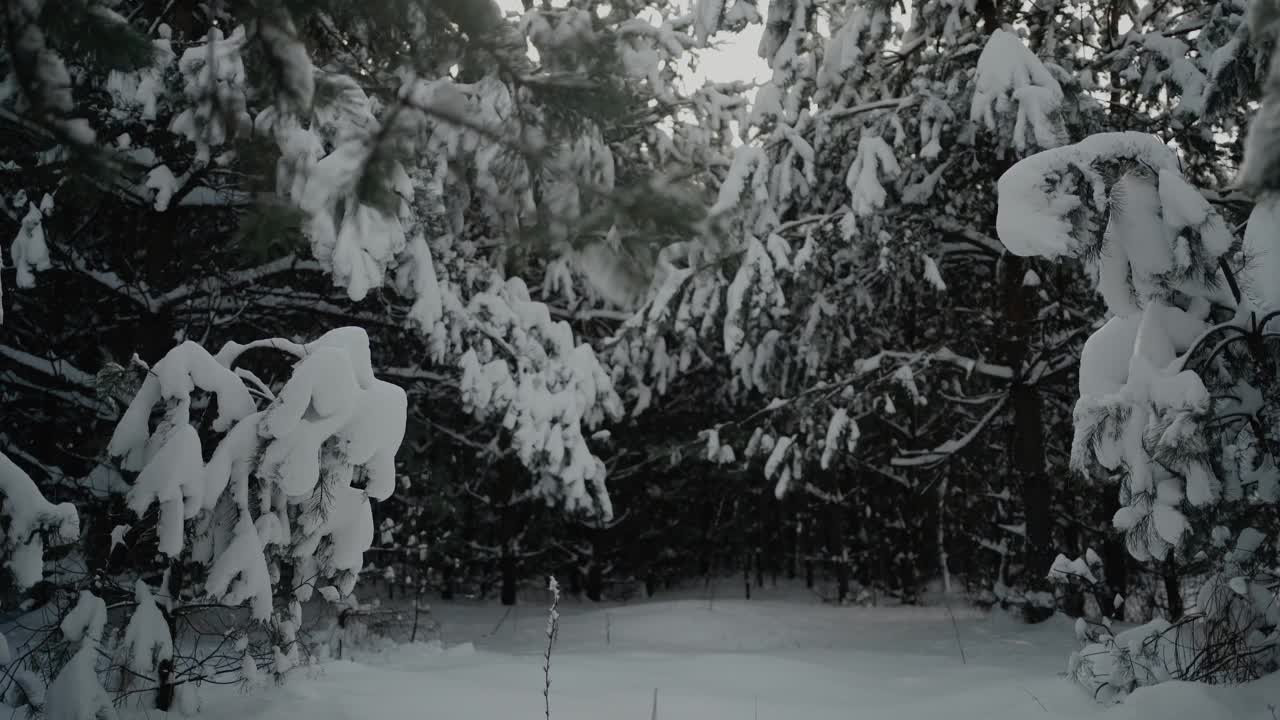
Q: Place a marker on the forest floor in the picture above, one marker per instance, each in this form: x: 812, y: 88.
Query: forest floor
x: 774, y: 657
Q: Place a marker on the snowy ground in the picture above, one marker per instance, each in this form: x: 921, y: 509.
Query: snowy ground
x: 759, y: 659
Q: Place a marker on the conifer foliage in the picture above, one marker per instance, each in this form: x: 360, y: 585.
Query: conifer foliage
x: 200, y: 172
x: 957, y: 289
x: 281, y: 507
x: 1177, y: 390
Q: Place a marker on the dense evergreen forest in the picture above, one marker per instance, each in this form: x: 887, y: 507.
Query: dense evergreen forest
x: 309, y: 300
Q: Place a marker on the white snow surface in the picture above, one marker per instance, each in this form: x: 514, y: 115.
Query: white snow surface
x: 780, y: 655
x: 1262, y: 247
x: 1007, y: 70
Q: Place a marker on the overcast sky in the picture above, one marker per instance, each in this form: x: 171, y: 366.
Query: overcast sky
x: 734, y: 58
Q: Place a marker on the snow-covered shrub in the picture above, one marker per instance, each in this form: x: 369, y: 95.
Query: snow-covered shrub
x: 1082, y: 579
x: 285, y: 486
x: 27, y: 523
x: 526, y: 369
x: 246, y: 494
x: 1178, y: 398
x: 1227, y: 637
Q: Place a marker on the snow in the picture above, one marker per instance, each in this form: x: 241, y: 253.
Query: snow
x: 1032, y: 217
x: 526, y: 371
x: 30, y: 519
x: 755, y: 284
x: 839, y: 428
x: 1064, y: 569
x: 1008, y: 70
x: 291, y: 61
x: 873, y: 159
x: 932, y: 275
x: 1261, y: 281
x: 775, y: 462
x: 213, y: 118
x: 162, y: 180
x: 1182, y: 700
x: 776, y: 656
x: 77, y: 693
x: 745, y: 184
x: 1170, y: 523
x: 331, y: 417
x: 138, y: 92
x: 117, y: 536
x: 239, y: 573
x: 146, y: 642
x: 707, y: 16
x: 30, y: 251
x: 428, y: 305
x: 1143, y: 413
x: 162, y: 482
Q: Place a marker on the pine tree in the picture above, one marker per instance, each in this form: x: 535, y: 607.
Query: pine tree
x: 438, y: 171
x: 279, y: 509
x: 1176, y: 393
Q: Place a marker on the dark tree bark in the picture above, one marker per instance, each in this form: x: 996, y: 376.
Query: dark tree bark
x: 595, y: 582
x: 842, y: 580
x: 1027, y: 435
x: 1115, y: 558
x: 837, y: 549
x: 1173, y: 591
x: 507, y: 566
x: 446, y: 581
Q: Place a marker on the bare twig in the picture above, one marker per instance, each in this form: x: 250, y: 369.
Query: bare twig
x: 1033, y: 697
x: 553, y: 626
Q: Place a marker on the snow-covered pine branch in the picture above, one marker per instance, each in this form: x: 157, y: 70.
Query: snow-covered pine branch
x: 285, y: 491
x: 424, y: 176
x: 1009, y: 73
x: 29, y: 523
x: 287, y: 484
x: 525, y: 369
x: 1175, y: 395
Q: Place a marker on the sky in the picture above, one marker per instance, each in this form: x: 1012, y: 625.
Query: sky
x: 733, y: 57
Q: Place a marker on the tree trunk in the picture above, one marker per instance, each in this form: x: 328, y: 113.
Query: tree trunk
x: 1173, y: 592
x: 508, y: 570
x: 842, y: 577
x: 595, y: 582
x: 1115, y: 558
x: 575, y: 581
x: 793, y: 562
x: 838, y: 548
x: 1036, y: 494
x: 166, y: 689
x: 941, y: 537
x: 446, y: 579
x: 1027, y: 438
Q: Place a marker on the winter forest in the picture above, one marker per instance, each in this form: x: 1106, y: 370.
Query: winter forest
x: 653, y: 358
